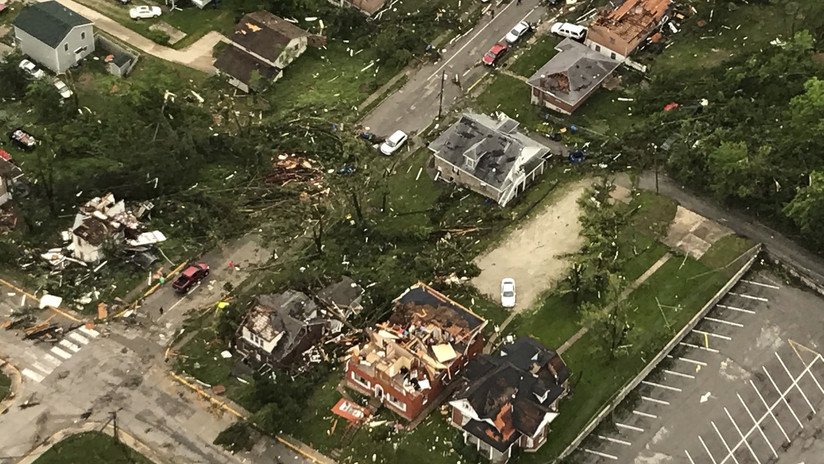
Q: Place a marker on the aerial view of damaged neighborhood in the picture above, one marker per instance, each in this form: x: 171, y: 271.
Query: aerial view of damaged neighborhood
x: 412, y: 231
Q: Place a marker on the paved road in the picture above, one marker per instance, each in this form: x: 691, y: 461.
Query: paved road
x: 415, y: 105
x: 196, y: 56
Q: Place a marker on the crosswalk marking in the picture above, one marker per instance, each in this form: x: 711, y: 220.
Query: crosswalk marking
x: 52, y: 360
x: 69, y: 345
x: 32, y: 375
x: 44, y: 369
x: 90, y: 332
x: 79, y: 338
x: 60, y: 353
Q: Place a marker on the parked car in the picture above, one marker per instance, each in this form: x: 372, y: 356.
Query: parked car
x: 144, y: 12
x: 190, y: 277
x: 31, y: 69
x: 573, y: 31
x: 63, y: 89
x: 508, y: 292
x: 494, y: 55
x: 521, y: 29
x: 23, y: 139
x: 394, y: 142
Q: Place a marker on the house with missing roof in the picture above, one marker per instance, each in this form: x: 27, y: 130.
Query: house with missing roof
x: 408, y: 361
x: 367, y: 7
x: 260, y: 48
x: 489, y: 156
x: 510, y: 398
x: 53, y: 35
x: 617, y: 33
x: 282, y: 330
x: 570, y: 77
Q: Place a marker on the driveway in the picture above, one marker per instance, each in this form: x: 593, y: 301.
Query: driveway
x: 414, y: 106
x: 196, y: 56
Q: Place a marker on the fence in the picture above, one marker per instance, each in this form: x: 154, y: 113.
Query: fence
x: 619, y: 397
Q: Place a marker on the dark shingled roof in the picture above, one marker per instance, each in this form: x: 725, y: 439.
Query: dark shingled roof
x: 265, y: 34
x: 240, y: 65
x: 342, y: 293
x: 49, y: 22
x: 290, y: 312
x: 493, y: 147
x: 518, y: 374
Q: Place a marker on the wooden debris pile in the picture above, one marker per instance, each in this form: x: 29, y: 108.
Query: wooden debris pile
x: 288, y: 169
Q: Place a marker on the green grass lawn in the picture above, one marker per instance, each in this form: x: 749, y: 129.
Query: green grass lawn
x: 510, y: 95
x: 528, y: 61
x: 91, y: 448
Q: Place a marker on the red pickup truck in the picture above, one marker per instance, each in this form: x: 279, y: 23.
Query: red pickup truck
x: 190, y: 277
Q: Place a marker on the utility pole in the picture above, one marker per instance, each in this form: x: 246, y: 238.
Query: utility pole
x: 114, y: 420
x: 440, y: 104
x: 655, y: 162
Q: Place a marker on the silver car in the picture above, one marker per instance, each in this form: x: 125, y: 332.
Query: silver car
x: 63, y: 89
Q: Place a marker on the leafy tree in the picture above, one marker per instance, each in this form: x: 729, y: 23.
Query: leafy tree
x: 609, y: 320
x: 806, y: 210
x: 13, y: 78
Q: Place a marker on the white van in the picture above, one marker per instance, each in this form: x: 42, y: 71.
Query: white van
x: 573, y: 31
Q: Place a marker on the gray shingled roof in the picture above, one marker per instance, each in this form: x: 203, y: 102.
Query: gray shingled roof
x: 577, y: 64
x: 49, y: 22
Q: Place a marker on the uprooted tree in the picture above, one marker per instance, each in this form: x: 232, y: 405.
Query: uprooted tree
x: 609, y: 319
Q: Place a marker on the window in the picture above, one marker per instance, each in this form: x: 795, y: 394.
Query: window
x: 395, y: 402
x: 360, y: 380
x: 66, y: 47
x: 82, y: 36
x: 597, y: 48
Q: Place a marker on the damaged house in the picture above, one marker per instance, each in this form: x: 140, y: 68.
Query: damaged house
x: 567, y: 80
x: 409, y: 360
x: 489, y: 156
x: 343, y: 297
x: 260, y: 48
x: 617, y: 33
x: 510, y: 398
x: 103, y: 219
x: 367, y: 7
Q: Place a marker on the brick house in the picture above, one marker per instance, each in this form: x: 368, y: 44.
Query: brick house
x: 510, y: 398
x: 489, y: 156
x: 409, y: 360
x: 567, y: 80
x: 619, y: 32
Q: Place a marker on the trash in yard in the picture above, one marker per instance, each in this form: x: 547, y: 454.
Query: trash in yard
x: 349, y: 410
x: 102, y: 311
x: 218, y: 390
x: 671, y: 106
x: 576, y: 156
x: 225, y: 354
x: 50, y: 301
x: 624, y: 99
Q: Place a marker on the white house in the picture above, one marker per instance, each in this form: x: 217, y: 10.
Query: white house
x: 53, y: 35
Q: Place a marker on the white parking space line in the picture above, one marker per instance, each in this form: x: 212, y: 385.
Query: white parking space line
x: 90, y: 332
x: 691, y: 361
x: 79, y: 338
x: 603, y: 455
x: 714, y: 335
x: 69, y: 345
x: 644, y: 414
x: 797, y: 387
x: 44, y: 369
x: 614, y: 440
x: 656, y: 401
x: 60, y: 353
x: 784, y: 396
x: 763, y: 435
x: 629, y: 427
x: 699, y: 347
x: 752, y: 282
x: 725, y: 442
x: 721, y: 321
x: 736, y: 308
x: 665, y: 387
x: 707, y: 450
x: 689, y: 457
x: 32, y: 375
x: 750, y: 297
x: 679, y: 374
x: 770, y: 411
x: 52, y: 360
x: 758, y: 461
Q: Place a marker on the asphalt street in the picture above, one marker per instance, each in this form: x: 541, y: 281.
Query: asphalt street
x: 415, y: 106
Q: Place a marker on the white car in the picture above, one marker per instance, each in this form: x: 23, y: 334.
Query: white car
x: 63, y: 89
x: 32, y: 70
x: 508, y: 292
x: 573, y: 31
x: 394, y: 142
x: 144, y: 12
x: 520, y: 30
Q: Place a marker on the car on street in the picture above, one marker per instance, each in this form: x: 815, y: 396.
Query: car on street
x: 508, y: 292
x: 494, y: 55
x: 573, y: 31
x: 31, y: 69
x: 521, y: 29
x: 63, y: 89
x: 395, y: 141
x: 144, y: 12
x: 190, y: 277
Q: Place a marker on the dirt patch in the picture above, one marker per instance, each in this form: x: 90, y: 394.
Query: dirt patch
x: 692, y: 233
x: 533, y: 254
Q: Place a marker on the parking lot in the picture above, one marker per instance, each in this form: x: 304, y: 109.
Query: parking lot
x: 745, y: 387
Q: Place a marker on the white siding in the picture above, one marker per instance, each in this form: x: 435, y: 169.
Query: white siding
x: 36, y: 50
